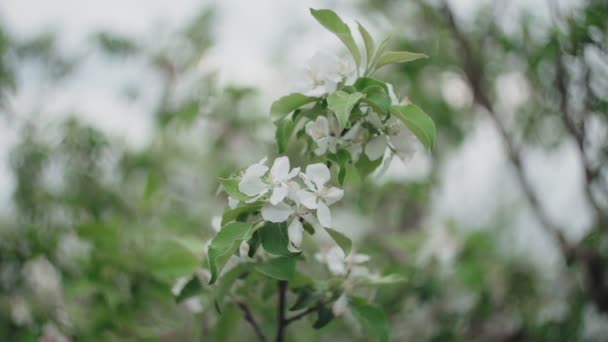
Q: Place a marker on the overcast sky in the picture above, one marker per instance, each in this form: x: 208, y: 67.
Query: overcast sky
x: 476, y: 180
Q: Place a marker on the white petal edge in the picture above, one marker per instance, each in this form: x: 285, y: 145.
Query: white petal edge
x: 375, y: 148
x: 318, y: 173
x: 323, y: 214
x: 276, y: 213
x: 295, y: 232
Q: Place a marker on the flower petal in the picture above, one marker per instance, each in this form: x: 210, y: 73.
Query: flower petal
x: 278, y: 194
x: 295, y: 232
x: 332, y: 195
x: 405, y: 143
x: 358, y: 258
x: 375, y: 148
x: 318, y: 173
x: 232, y: 202
x: 276, y: 213
x: 256, y: 170
x: 307, y: 198
x: 280, y: 169
x: 323, y: 214
x: 340, y: 305
x: 252, y: 185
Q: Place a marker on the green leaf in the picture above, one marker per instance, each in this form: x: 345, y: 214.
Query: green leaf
x: 324, y: 316
x: 170, y: 259
x: 239, y: 212
x: 379, y: 52
x: 254, y: 243
x: 342, y: 157
x: 227, y: 324
x: 418, y: 121
x: 363, y: 83
x: 275, y: 239
x: 369, y: 43
x: 282, y: 268
x: 342, y: 103
x: 283, y: 133
x: 287, y: 104
x: 331, y: 21
x: 366, y: 166
x: 231, y: 233
x: 342, y: 240
x: 398, y: 57
x: 306, y: 297
x: 373, y: 317
x: 225, y: 283
x: 218, y: 259
x: 377, y: 98
x: 225, y: 243
x: 231, y: 186
x: 192, y: 288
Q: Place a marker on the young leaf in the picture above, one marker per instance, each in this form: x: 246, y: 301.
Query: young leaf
x: 418, y: 121
x: 342, y: 103
x: 330, y: 20
x: 231, y: 186
x: 373, y: 317
x: 363, y: 83
x: 377, y: 98
x: 192, y: 288
x: 282, y: 268
x: 225, y: 243
x: 379, y: 52
x: 342, y: 240
x: 398, y: 57
x: 324, y: 316
x: 369, y: 43
x: 287, y: 104
x: 275, y: 239
x: 239, y: 212
x: 227, y: 280
x: 283, y: 132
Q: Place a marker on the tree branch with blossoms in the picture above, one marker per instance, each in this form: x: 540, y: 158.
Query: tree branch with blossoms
x: 349, y: 126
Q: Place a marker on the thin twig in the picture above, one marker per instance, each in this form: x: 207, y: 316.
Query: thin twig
x: 302, y: 314
x: 249, y: 318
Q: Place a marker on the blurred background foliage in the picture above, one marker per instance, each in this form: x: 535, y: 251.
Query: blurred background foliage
x: 97, y: 232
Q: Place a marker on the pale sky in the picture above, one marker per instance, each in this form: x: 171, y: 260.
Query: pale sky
x: 476, y: 180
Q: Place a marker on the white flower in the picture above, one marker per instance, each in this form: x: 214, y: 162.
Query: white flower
x: 319, y: 196
x: 404, y: 142
x: 232, y: 202
x: 276, y: 213
x: 216, y: 223
x: 323, y: 72
x: 353, y: 141
x: 340, y: 265
x: 401, y: 139
x: 252, y: 184
x: 340, y: 305
x: 323, y: 132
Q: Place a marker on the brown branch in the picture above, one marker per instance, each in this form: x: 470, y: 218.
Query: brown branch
x: 474, y: 73
x: 302, y: 314
x: 281, y: 321
x: 249, y: 318
x: 577, y: 132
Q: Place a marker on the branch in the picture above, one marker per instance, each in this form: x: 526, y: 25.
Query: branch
x: 249, y: 318
x: 281, y: 321
x: 302, y: 314
x: 578, y: 134
x: 474, y: 72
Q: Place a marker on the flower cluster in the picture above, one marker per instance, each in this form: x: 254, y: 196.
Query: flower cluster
x: 290, y: 195
x: 325, y: 73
